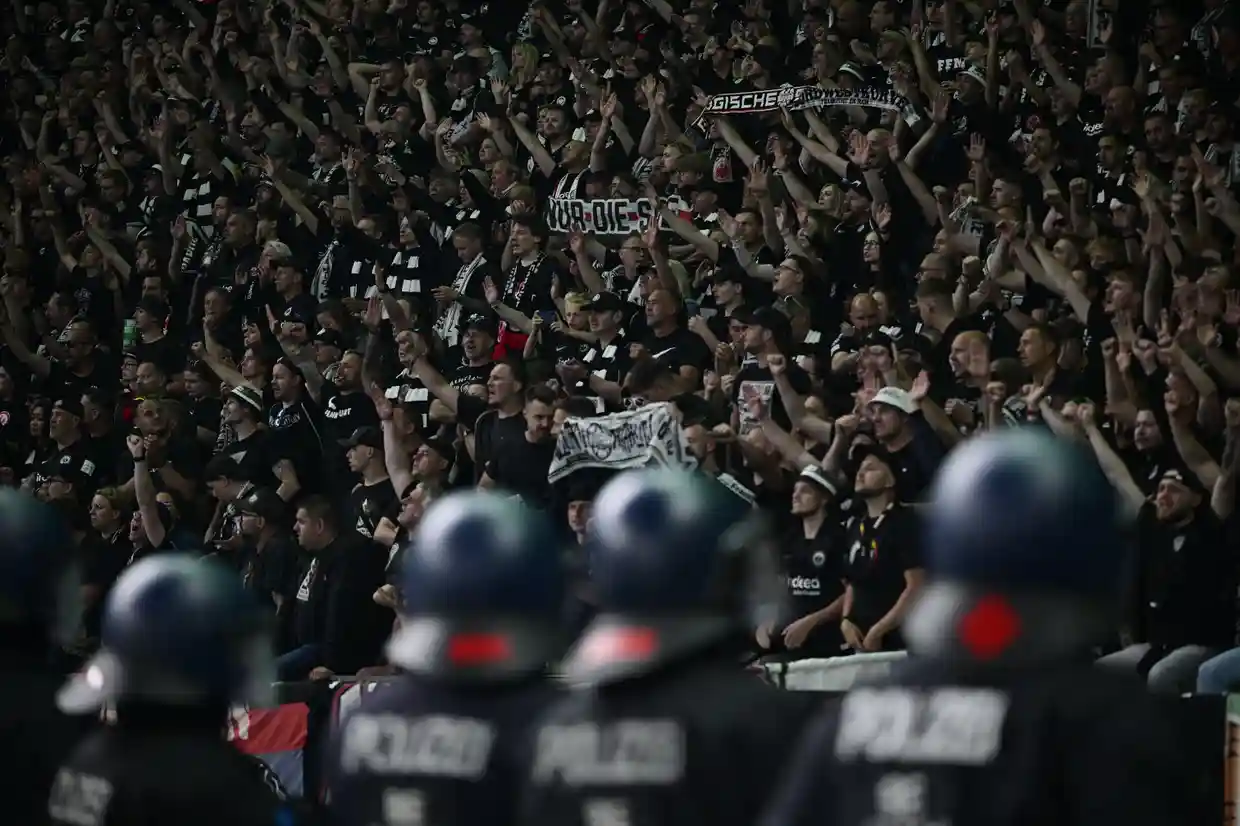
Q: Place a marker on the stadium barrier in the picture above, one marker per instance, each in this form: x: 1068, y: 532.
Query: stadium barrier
x: 289, y: 736
x: 834, y: 674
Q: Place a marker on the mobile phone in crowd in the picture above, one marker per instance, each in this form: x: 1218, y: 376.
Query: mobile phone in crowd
x: 693, y: 308
x: 547, y: 316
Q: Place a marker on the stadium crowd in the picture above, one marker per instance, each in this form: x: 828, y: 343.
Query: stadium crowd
x: 278, y: 274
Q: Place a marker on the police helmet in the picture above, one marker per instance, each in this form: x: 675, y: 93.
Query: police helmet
x: 177, y: 631
x: 1022, y: 510
x: 483, y: 590
x: 678, y: 564
x: 38, y: 586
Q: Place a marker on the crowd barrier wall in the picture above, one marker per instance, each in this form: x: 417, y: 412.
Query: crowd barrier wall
x: 289, y: 735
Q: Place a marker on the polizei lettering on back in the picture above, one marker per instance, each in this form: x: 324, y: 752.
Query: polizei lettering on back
x: 454, y: 747
x: 623, y: 753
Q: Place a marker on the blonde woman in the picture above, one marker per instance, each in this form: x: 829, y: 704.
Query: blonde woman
x: 524, y: 66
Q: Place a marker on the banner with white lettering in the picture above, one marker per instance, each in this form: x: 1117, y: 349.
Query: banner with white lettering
x: 602, y: 216
x: 607, y: 216
x: 649, y: 435
x: 796, y: 98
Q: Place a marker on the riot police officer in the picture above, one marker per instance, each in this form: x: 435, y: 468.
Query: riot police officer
x: 182, y: 640
x: 483, y: 596
x: 36, y: 583
x: 662, y: 725
x: 1000, y: 719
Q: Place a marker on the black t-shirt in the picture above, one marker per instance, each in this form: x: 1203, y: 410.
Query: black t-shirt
x: 270, y: 571
x: 756, y: 381
x: 75, y: 459
x: 519, y: 467
x: 813, y: 568
x: 63, y: 383
x: 204, y: 413
x: 295, y: 435
x: 877, y: 553
x: 103, y: 559
x: 257, y: 455
x: 913, y: 476
x: 680, y: 348
x: 163, y: 352
x: 343, y: 413
x: 368, y: 504
x: 181, y: 455
x: 94, y: 300
x: 1185, y: 588
x: 490, y: 429
x: 467, y: 374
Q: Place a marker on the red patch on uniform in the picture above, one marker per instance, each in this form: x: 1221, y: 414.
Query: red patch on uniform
x: 478, y: 649
x: 989, y: 628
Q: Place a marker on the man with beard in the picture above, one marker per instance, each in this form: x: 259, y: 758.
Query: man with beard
x: 269, y: 558
x: 73, y: 452
x: 553, y: 153
x: 768, y: 335
x: 477, y: 345
x: 294, y: 427
x: 519, y: 466
x: 882, y: 568
x: 1182, y: 608
x: 83, y: 367
x: 908, y: 442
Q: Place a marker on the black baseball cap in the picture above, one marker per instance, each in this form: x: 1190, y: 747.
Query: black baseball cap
x: 766, y: 317
x: 1184, y: 478
x: 878, y: 338
x: 604, y: 302
x: 71, y: 404
x: 263, y: 503
x: 331, y: 338
x: 294, y: 315
x: 481, y: 323
x: 67, y: 472
x: 364, y: 437
x: 728, y: 273
x: 442, y: 447
x: 223, y: 467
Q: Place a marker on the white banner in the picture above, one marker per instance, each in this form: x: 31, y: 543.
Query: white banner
x: 649, y: 435
x: 603, y: 216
